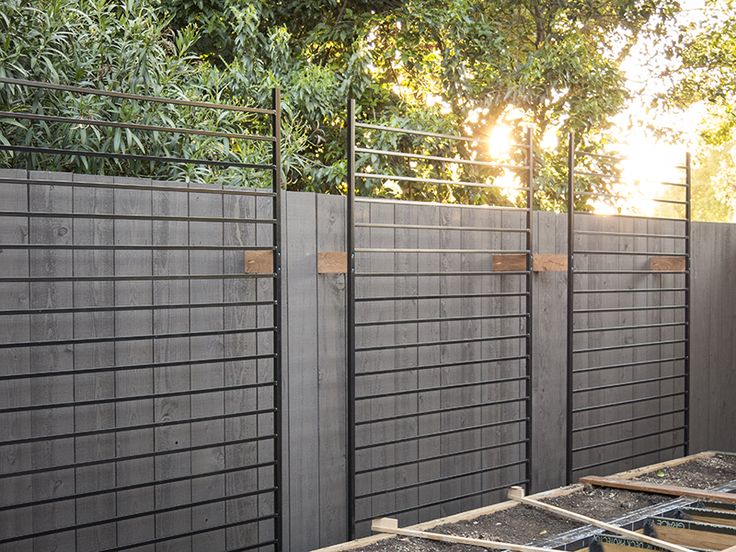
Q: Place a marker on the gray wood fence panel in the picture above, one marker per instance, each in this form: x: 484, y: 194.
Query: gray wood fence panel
x: 315, y: 411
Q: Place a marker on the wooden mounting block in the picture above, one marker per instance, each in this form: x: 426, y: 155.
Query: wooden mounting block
x: 675, y: 263
x: 258, y: 261
x: 332, y: 262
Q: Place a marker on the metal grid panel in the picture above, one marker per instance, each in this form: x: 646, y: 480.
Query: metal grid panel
x: 439, y: 344
x: 139, y: 362
x: 628, y: 322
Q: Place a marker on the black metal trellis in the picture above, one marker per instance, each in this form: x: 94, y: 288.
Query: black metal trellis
x: 423, y: 464
x: 628, y: 409
x: 155, y: 414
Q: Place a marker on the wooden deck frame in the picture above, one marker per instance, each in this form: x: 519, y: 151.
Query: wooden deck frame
x: 493, y: 508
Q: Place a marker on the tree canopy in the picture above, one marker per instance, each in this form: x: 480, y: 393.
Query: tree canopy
x: 453, y: 66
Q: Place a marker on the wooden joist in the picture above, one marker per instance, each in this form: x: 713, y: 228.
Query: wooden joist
x: 694, y: 534
x: 517, y: 494
x: 669, y: 490
x: 391, y: 526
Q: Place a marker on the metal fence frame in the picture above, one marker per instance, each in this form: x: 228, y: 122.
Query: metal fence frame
x: 573, y: 364
x: 273, y: 358
x: 526, y: 171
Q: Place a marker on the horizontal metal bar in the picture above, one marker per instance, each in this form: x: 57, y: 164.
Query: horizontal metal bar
x: 134, y: 247
x: 615, y: 196
x: 627, y: 253
x: 645, y: 272
x: 629, y: 439
x: 630, y: 346
x: 440, y: 457
x: 439, y: 227
x: 414, y: 132
x: 438, y: 296
x: 119, y: 216
x: 210, y: 529
x: 138, y: 337
x: 627, y: 383
x: 423, y: 157
x: 432, y: 435
x: 438, y: 250
x: 440, y: 388
x: 629, y: 364
x: 133, y: 126
x: 139, y: 456
x: 599, y: 155
x: 131, y: 487
x: 441, y: 365
x: 400, y: 488
x: 440, y: 411
x: 154, y: 185
x: 629, y: 420
x: 133, y: 398
x: 135, y: 157
x: 127, y: 96
x: 134, y: 278
x: 635, y: 217
x: 628, y: 457
x: 118, y: 429
x: 136, y: 515
x: 438, y: 181
x: 446, y: 500
x: 439, y: 343
x: 119, y: 308
x: 129, y: 367
x: 628, y: 290
x: 630, y: 234
x: 441, y: 319
x: 629, y: 401
x: 628, y: 309
x: 628, y: 328
x: 469, y: 273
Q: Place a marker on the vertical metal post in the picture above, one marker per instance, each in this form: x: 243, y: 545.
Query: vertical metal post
x: 350, y: 316
x: 570, y: 299
x: 688, y: 270
x: 277, y: 348
x: 529, y: 303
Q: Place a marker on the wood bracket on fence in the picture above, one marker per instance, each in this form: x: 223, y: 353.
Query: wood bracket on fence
x: 676, y: 263
x: 550, y: 262
x: 509, y: 262
x: 258, y: 261
x: 332, y: 262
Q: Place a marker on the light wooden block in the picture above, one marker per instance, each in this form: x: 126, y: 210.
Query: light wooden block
x: 668, y: 264
x: 332, y: 262
x: 510, y: 262
x: 550, y: 262
x: 258, y: 262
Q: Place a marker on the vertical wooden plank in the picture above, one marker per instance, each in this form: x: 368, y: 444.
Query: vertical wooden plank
x: 302, y: 372
x: 95, y: 385
x: 136, y: 262
x: 52, y: 263
x: 15, y: 263
x: 548, y: 385
x: 330, y: 223
x: 172, y: 379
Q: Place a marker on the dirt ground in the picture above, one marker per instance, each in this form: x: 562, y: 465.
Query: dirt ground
x: 701, y: 473
x: 526, y: 525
